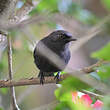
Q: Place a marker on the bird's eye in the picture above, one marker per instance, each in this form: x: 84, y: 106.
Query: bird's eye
x: 61, y: 36
x: 58, y: 37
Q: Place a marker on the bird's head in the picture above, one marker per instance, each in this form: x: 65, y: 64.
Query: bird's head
x: 62, y: 36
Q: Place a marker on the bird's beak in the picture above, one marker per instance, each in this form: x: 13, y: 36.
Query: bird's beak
x: 72, y: 39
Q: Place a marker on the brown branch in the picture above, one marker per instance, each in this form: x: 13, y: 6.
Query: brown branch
x: 91, y: 94
x: 35, y: 81
x: 22, y: 12
x: 49, y: 80
x: 31, y: 81
x: 91, y: 68
x: 14, y: 104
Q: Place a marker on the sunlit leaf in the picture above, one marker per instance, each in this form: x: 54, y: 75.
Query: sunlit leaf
x: 103, y: 53
x: 46, y: 5
x: 104, y: 71
x: 106, y: 3
x: 106, y: 101
x: 67, y: 96
x: 68, y: 85
x: 62, y: 72
x: 4, y: 91
x: 62, y: 106
x: 81, y: 14
x: 1, y: 109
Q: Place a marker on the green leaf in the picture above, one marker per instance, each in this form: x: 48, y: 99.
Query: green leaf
x: 68, y: 85
x: 67, y: 96
x: 64, y: 94
x: 46, y: 5
x: 62, y: 72
x: 86, y: 17
x: 4, y: 91
x: 1, y: 109
x: 81, y: 14
x: 74, y: 83
x: 62, y: 106
x: 74, y: 7
x: 103, y: 53
x: 106, y: 3
x: 104, y: 71
x: 106, y: 101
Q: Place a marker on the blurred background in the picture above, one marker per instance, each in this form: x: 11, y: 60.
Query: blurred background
x: 75, y: 16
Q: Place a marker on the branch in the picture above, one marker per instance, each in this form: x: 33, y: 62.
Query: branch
x: 91, y: 68
x: 14, y: 104
x: 36, y: 81
x: 22, y: 12
x: 31, y: 81
x: 94, y: 95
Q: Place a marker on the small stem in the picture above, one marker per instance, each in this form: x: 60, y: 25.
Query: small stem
x: 96, y: 96
x: 14, y: 104
x: 31, y: 81
x: 90, y: 69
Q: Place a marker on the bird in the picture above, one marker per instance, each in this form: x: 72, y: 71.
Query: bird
x: 58, y: 42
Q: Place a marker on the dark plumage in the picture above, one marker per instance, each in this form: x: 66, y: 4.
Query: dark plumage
x: 57, y: 42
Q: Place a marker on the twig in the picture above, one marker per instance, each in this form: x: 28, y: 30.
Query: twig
x: 31, y: 81
x: 34, y: 81
x: 94, y: 95
x: 91, y: 68
x: 22, y: 12
x: 14, y: 104
x: 48, y: 80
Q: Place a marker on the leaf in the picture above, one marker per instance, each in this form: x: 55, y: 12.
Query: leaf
x: 74, y: 83
x: 46, y: 5
x: 67, y: 96
x: 81, y: 14
x: 64, y: 94
x: 103, y: 53
x: 4, y: 91
x: 106, y: 101
x: 68, y: 85
x: 62, y: 72
x: 106, y: 3
x: 1, y: 109
x: 104, y: 72
x: 62, y: 106
x: 71, y: 106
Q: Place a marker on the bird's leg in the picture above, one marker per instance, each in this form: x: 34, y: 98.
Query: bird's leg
x: 41, y: 75
x: 57, y: 77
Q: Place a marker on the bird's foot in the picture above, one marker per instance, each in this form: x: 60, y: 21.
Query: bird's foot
x: 41, y: 76
x: 57, y: 77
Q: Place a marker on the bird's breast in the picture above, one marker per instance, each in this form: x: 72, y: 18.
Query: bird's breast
x: 43, y: 61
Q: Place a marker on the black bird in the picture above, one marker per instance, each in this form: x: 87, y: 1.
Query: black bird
x: 58, y: 42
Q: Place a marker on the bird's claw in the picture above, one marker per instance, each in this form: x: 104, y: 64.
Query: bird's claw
x: 57, y: 77
x: 42, y: 79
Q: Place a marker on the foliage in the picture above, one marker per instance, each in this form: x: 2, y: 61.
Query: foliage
x: 63, y: 94
x: 106, y: 101
x: 23, y: 66
x: 106, y: 3
x: 103, y: 53
x: 4, y: 91
x: 82, y: 102
x: 1, y: 108
x: 104, y: 70
x: 81, y: 14
x: 46, y: 6
x: 67, y: 7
